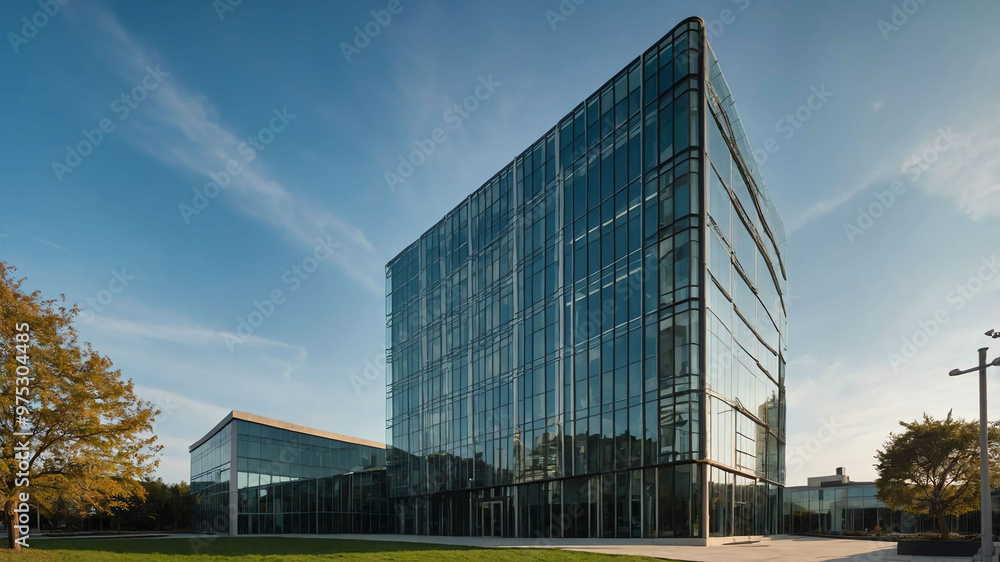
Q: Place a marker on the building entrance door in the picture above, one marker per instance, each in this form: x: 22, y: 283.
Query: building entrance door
x: 743, y: 516
x: 491, y: 515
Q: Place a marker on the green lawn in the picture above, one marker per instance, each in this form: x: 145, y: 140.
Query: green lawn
x: 279, y: 548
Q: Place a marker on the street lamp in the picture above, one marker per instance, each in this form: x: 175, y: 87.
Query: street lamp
x: 985, y: 505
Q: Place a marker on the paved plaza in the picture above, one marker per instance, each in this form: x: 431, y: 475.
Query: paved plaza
x: 782, y: 548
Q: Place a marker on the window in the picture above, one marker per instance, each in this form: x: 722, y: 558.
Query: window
x: 745, y: 248
x: 720, y: 204
x: 720, y: 264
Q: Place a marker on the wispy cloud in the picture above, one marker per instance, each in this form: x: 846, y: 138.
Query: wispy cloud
x: 171, y: 403
x: 35, y: 239
x: 968, y: 175
x: 47, y: 243
x: 182, y: 420
x: 186, y: 370
x: 291, y: 358
x: 825, y: 206
x: 185, y: 131
x: 188, y: 373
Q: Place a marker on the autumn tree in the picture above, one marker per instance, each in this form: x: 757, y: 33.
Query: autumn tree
x: 933, y: 468
x: 78, y: 428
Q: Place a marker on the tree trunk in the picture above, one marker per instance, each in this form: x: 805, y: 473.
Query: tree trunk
x: 11, y: 522
x: 943, y: 524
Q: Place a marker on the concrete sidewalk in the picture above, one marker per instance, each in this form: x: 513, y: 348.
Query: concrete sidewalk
x: 780, y: 548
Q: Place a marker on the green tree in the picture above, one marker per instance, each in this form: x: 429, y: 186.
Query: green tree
x: 183, y: 506
x: 163, y: 507
x: 151, y: 513
x: 85, y: 433
x: 933, y: 468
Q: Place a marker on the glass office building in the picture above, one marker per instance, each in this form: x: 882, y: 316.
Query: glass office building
x: 842, y: 507
x: 592, y: 344
x: 253, y: 475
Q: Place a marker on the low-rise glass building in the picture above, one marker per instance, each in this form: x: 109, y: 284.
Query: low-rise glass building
x: 592, y: 344
x: 834, y: 505
x: 252, y: 474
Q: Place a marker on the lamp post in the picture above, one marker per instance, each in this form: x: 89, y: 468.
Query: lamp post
x: 985, y: 505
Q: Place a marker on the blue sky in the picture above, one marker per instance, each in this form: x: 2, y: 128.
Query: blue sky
x: 909, y: 125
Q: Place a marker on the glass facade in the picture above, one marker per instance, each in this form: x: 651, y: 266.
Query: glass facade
x: 592, y: 343
x: 853, y: 509
x: 287, y: 479
x: 271, y: 455
x: 210, y: 471
x: 348, y: 503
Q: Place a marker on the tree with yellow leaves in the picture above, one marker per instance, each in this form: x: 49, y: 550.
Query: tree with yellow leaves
x: 69, y: 422
x: 933, y: 468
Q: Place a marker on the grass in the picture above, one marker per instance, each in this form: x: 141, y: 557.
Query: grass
x: 230, y: 549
